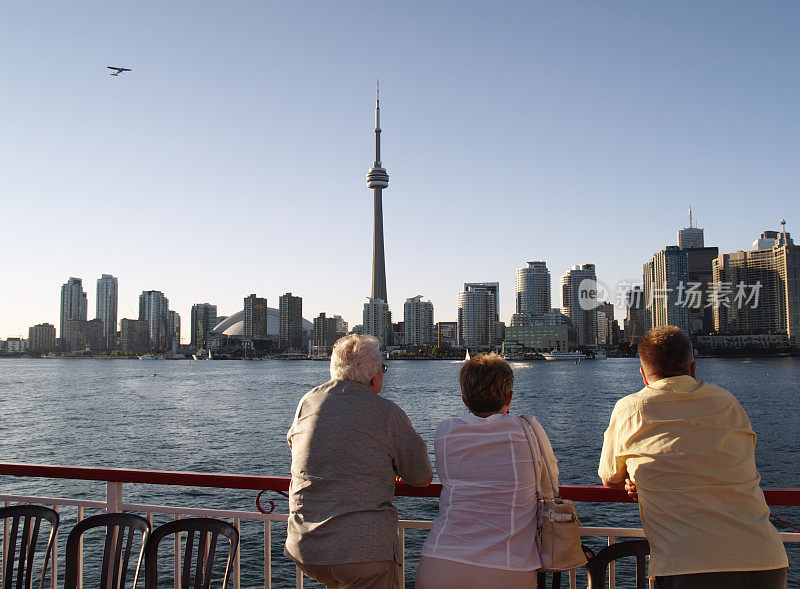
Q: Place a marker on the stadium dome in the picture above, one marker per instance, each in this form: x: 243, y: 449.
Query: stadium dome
x: 234, y: 325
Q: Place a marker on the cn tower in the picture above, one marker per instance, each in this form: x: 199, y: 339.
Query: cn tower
x: 378, y: 179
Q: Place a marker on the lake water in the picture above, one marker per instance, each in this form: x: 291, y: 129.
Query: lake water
x: 233, y: 417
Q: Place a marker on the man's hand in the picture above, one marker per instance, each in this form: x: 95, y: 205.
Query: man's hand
x: 630, y: 488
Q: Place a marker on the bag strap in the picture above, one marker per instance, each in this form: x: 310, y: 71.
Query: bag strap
x: 544, y: 452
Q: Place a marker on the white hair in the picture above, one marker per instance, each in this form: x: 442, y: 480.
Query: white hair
x: 356, y: 357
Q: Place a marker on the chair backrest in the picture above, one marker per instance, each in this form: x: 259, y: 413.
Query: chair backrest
x: 21, y: 545
x: 120, y: 529
x: 197, y: 564
x: 598, y: 565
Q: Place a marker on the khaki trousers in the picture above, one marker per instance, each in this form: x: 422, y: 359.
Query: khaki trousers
x: 383, y: 574
x: 437, y: 573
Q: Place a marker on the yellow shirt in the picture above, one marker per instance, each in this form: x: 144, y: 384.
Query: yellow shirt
x: 689, y: 448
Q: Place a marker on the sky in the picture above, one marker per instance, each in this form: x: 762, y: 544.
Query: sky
x: 232, y: 158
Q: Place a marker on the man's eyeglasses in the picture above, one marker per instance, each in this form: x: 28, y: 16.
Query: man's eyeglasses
x: 385, y: 368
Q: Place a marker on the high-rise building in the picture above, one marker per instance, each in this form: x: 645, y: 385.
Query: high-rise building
x: 42, y: 338
x: 377, y: 180
x: 323, y: 335
x: 579, y: 301
x: 477, y: 314
x: 204, y: 319
x: 690, y: 236
x: 107, y: 308
x: 635, y: 323
x: 492, y: 287
x: 173, y: 330
x: 73, y: 309
x: 290, y: 323
x: 698, y: 277
x: 417, y: 322
x: 134, y: 335
x: 666, y: 293
x: 758, y: 291
x: 533, y: 289
x: 378, y: 321
x: 255, y: 317
x: 544, y: 332
x: 154, y: 308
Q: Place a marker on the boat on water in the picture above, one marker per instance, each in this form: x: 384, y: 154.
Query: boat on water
x: 556, y: 355
x: 147, y: 357
x: 467, y: 356
x: 600, y: 355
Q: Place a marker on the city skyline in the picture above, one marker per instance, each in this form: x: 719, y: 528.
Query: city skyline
x: 570, y: 134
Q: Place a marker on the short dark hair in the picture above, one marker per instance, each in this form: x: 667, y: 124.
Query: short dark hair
x: 666, y: 351
x: 486, y: 382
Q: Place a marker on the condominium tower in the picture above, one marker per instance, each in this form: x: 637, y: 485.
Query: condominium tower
x: 667, y: 299
x: 477, y: 314
x: 107, y: 298
x: 73, y: 310
x: 579, y: 301
x: 290, y: 323
x: 204, y: 319
x: 533, y: 289
x: 418, y: 322
x: 154, y: 308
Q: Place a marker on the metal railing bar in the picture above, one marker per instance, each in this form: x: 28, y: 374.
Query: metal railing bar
x: 200, y: 512
x: 267, y: 555
x: 53, y: 501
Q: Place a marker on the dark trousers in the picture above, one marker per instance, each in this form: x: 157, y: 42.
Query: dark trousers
x: 772, y: 579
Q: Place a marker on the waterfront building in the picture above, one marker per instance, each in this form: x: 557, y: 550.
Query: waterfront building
x: 154, y: 308
x: 42, y: 338
x: 291, y: 323
x: 698, y: 277
x: 544, y: 332
x: 106, y: 308
x: 255, y: 317
x: 418, y: 322
x: 691, y: 236
x: 398, y: 334
x: 378, y: 321
x: 758, y: 291
x: 605, y: 323
x: 341, y: 326
x: 477, y: 314
x: 579, y: 301
x: 533, y: 289
x: 634, y: 323
x: 14, y: 345
x: 203, y: 320
x: 666, y: 295
x: 134, y: 336
x: 770, y: 239
x: 173, y: 330
x: 73, y: 308
x: 446, y: 333
x: 323, y: 335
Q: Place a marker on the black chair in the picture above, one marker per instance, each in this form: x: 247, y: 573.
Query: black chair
x: 598, y: 565
x: 31, y: 516
x: 201, y: 563
x: 121, y: 529
x: 555, y: 578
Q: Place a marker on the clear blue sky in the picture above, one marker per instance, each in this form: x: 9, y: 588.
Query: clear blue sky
x: 232, y: 158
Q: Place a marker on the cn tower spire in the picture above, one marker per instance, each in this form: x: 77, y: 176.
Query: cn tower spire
x: 377, y: 180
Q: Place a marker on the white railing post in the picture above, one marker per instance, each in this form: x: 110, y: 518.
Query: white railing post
x: 236, y: 561
x: 298, y: 575
x: 612, y: 574
x: 177, y: 544
x: 267, y: 554
x: 54, y: 557
x: 113, y: 497
x: 402, y: 532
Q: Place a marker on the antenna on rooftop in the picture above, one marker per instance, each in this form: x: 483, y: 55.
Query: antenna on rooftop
x: 690, y: 216
x: 783, y: 226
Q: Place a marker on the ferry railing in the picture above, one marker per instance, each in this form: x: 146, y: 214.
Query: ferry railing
x: 115, y: 478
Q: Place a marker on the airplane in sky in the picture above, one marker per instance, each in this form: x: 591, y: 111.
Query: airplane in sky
x: 118, y: 70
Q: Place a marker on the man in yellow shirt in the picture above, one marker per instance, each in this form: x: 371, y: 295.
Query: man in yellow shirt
x: 687, y: 449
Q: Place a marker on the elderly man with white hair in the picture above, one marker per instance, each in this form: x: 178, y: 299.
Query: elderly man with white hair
x: 348, y: 445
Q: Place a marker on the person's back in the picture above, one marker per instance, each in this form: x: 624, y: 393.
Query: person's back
x: 688, y: 450
x: 348, y: 444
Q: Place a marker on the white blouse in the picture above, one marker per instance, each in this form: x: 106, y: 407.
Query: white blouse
x: 487, y: 509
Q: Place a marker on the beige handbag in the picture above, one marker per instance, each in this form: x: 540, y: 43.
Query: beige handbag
x: 558, y: 536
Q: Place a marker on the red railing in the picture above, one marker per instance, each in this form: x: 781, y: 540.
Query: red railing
x: 582, y: 493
